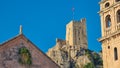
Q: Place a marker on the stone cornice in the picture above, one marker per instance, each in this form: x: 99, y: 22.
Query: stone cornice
x: 108, y: 8
x: 108, y: 36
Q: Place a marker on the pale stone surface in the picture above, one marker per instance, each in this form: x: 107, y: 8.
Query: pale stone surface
x: 110, y: 35
x: 76, y: 33
x: 71, y: 53
x: 71, y: 58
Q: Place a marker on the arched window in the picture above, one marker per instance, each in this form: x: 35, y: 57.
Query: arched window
x: 115, y: 54
x: 117, y: 0
x: 108, y: 21
x: 118, y: 16
x: 107, y: 5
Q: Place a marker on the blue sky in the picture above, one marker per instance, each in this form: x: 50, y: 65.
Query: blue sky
x: 45, y: 20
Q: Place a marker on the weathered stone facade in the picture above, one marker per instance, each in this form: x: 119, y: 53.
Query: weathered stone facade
x: 110, y: 28
x: 71, y: 53
x: 66, y: 57
x: 77, y: 57
x: 9, y: 54
x: 76, y: 33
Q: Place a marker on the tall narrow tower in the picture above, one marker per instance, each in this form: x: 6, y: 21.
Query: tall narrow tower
x: 110, y: 27
x: 76, y: 33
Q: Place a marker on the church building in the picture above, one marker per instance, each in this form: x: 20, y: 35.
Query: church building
x: 110, y: 28
x: 20, y: 52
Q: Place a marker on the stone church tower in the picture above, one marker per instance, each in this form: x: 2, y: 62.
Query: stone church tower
x: 110, y: 27
x: 76, y: 33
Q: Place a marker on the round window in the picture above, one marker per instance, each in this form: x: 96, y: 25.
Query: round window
x: 107, y: 5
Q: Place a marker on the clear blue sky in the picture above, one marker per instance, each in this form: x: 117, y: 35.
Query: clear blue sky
x: 45, y: 20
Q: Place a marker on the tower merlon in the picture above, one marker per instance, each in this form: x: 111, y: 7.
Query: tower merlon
x: 83, y: 20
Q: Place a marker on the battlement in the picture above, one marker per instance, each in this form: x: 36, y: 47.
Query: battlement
x: 60, y: 41
x: 74, y: 22
x: 80, y: 21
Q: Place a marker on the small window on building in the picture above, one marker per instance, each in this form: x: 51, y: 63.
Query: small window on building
x: 107, y: 5
x: 115, y: 54
x: 117, y: 0
x: 108, y: 47
x: 108, y: 21
x: 118, y: 16
x: 79, y: 38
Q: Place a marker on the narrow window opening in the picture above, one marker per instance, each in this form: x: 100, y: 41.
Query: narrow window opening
x: 118, y: 16
x: 108, y: 47
x: 108, y: 21
x: 115, y: 54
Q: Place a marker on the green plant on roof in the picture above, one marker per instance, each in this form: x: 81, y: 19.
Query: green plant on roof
x: 25, y: 56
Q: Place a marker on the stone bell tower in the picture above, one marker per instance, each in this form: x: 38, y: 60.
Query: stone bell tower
x: 110, y: 28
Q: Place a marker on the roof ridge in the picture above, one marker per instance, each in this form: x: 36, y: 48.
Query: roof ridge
x: 10, y: 39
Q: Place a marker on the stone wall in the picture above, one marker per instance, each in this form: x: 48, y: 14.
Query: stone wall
x: 9, y: 55
x: 76, y: 33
